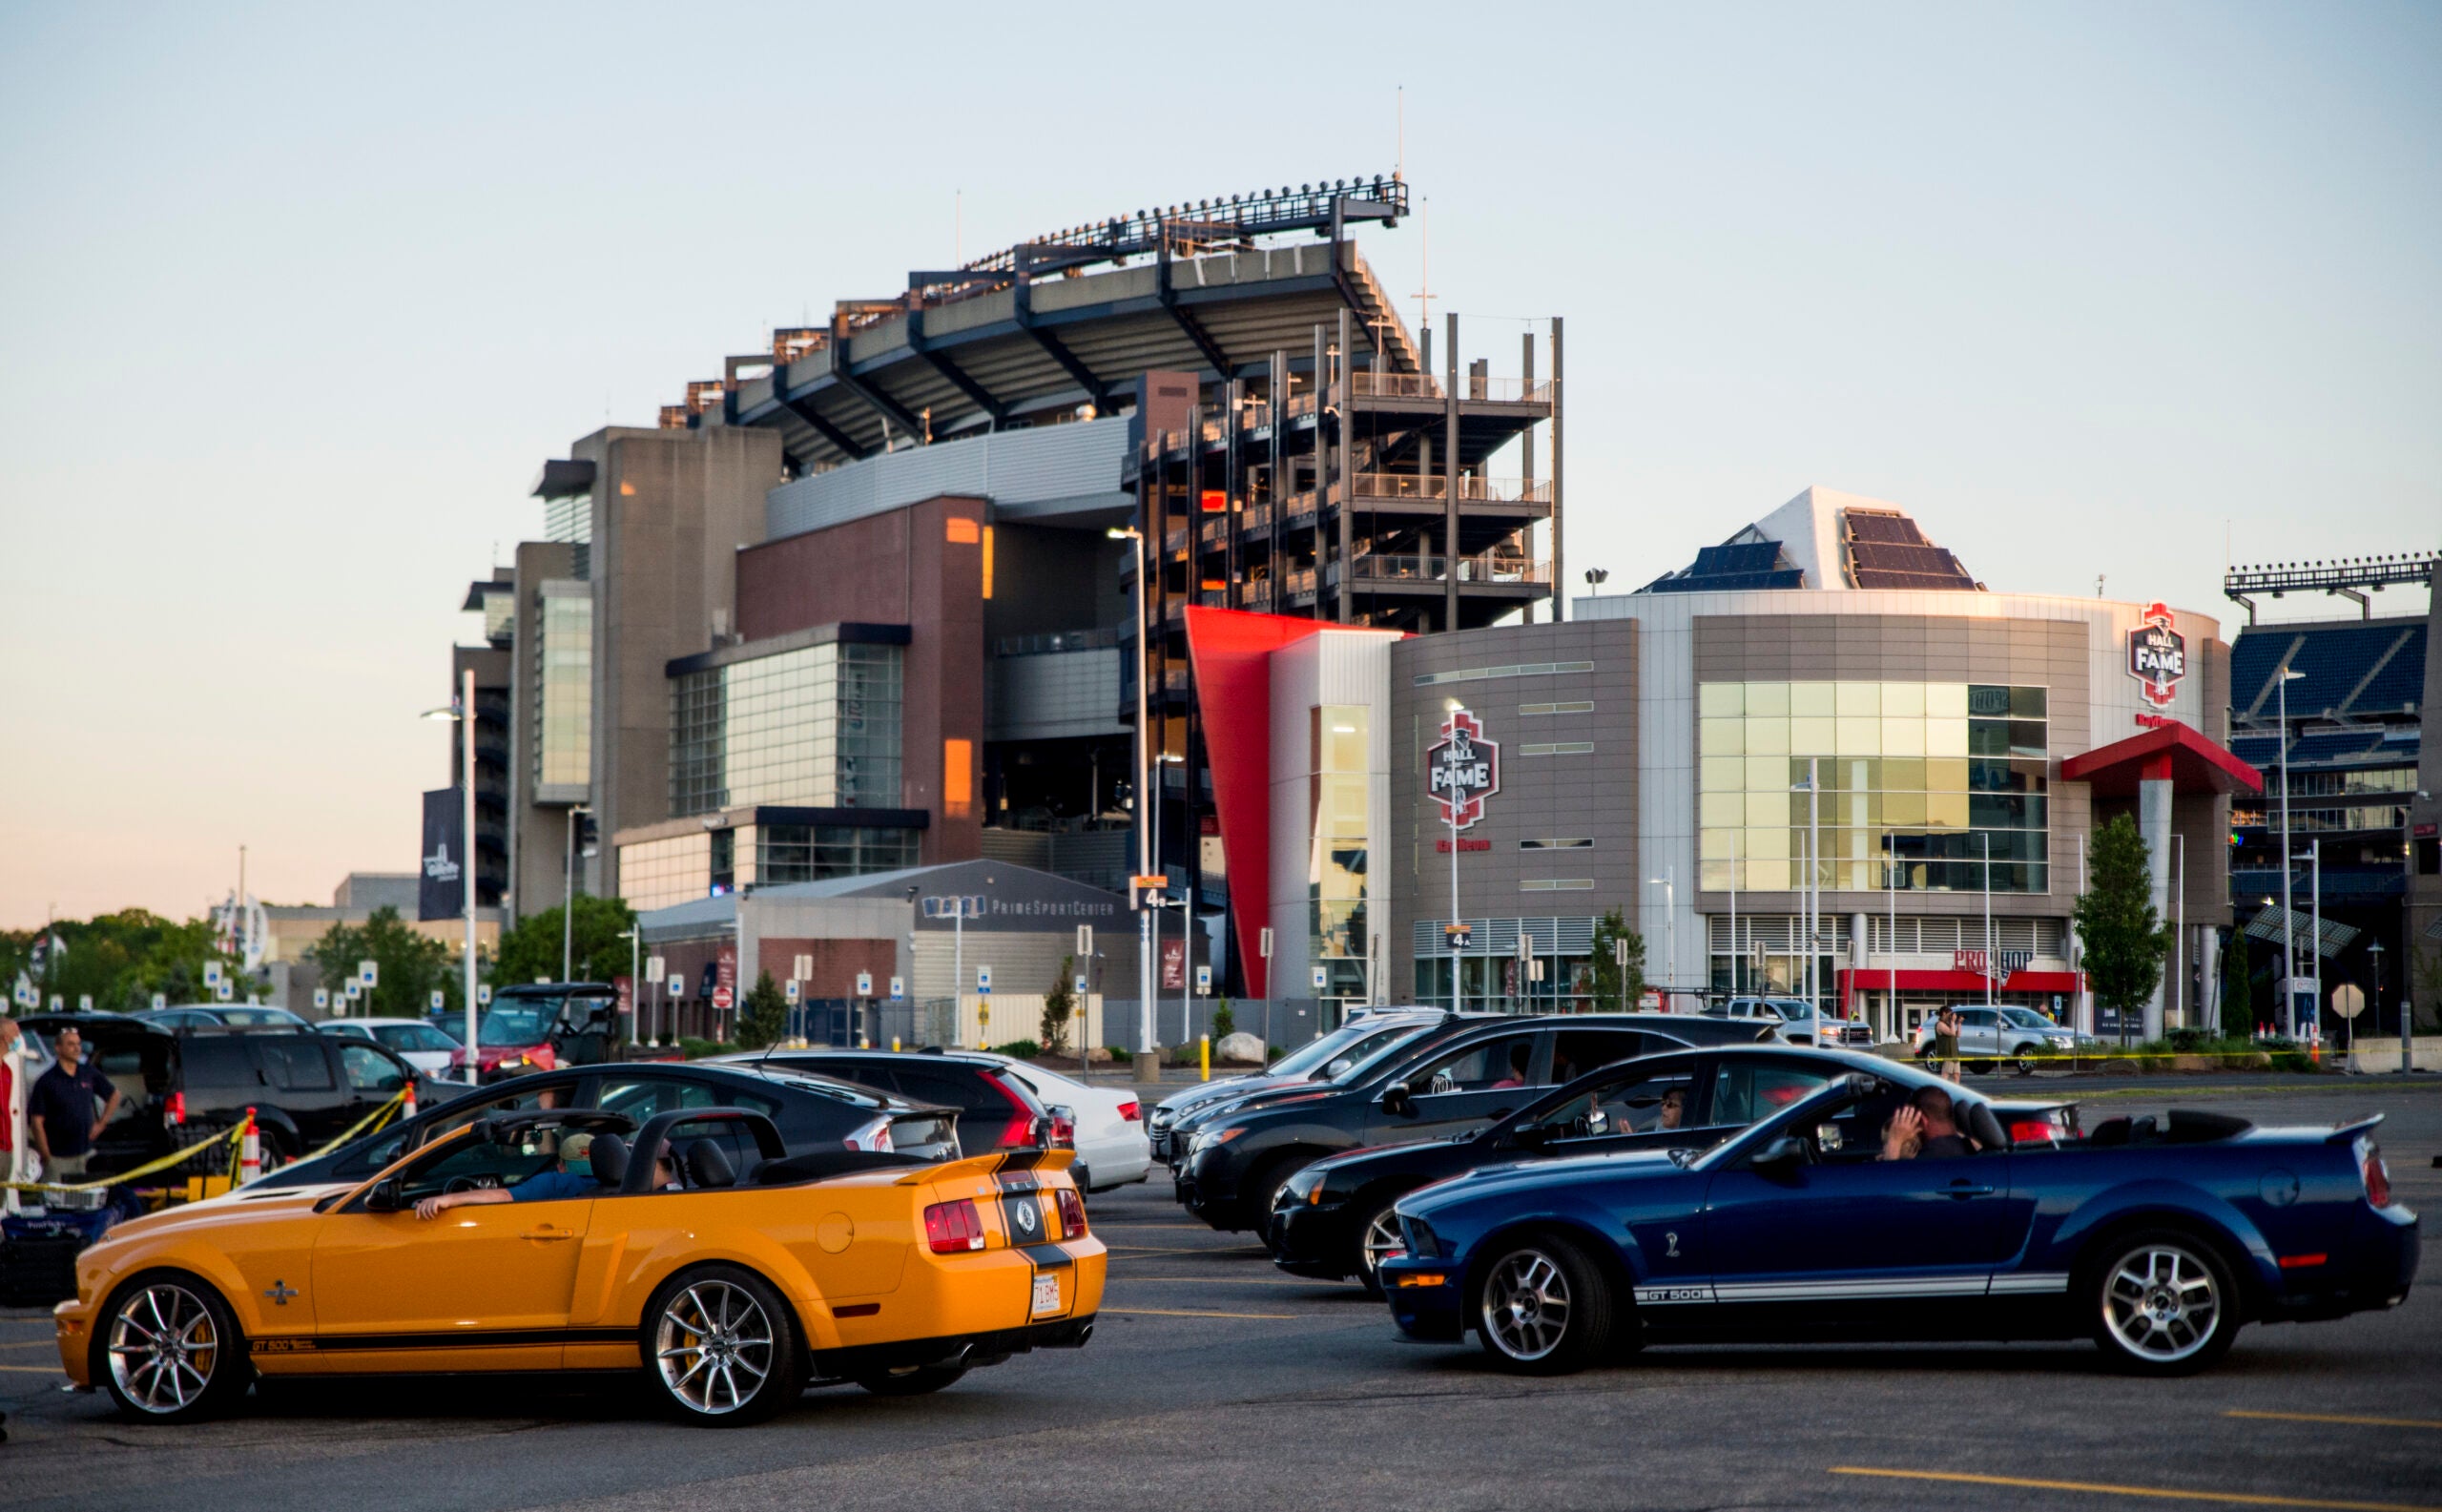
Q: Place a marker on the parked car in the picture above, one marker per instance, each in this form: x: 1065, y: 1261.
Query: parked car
x: 425, y: 1045
x: 1321, y: 1059
x: 811, y: 1113
x: 2005, y: 1032
x: 542, y: 1025
x: 725, y: 1297
x: 1112, y: 1150
x: 187, y: 1087
x: 222, y: 1016
x: 1797, y: 1022
x: 2157, y: 1237
x: 996, y: 1111
x: 1446, y: 1083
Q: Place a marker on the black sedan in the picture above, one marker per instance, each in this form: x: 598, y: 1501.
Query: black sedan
x: 812, y: 1112
x: 1335, y: 1217
x: 996, y: 1111
x: 1436, y: 1086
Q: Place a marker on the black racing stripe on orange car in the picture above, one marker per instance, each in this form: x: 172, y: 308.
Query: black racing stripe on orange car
x: 492, y: 1338
x: 1046, y: 1256
x: 1025, y: 1159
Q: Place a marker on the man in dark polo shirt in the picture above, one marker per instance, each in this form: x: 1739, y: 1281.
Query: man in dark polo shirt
x: 62, y: 1109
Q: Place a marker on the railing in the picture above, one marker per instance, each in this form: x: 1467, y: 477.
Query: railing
x: 1394, y: 385
x: 1299, y: 581
x: 1054, y: 641
x: 1471, y: 386
x: 1175, y: 541
x: 1471, y: 490
x: 1382, y: 567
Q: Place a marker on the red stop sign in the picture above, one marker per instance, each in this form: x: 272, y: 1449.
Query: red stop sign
x: 720, y: 997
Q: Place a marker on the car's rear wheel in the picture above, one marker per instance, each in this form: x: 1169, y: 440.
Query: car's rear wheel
x: 721, y: 1347
x: 1544, y: 1308
x: 911, y: 1380
x: 1378, y: 1240
x: 2165, y: 1304
x: 171, y: 1350
x: 2023, y: 1060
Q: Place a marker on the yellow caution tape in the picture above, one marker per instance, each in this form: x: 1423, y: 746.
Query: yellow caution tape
x: 125, y: 1176
x: 378, y: 1118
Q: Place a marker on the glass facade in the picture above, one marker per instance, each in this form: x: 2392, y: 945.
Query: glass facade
x: 1339, y: 845
x: 564, y: 680
x: 654, y: 874
x: 817, y: 728
x: 1927, y: 774
x: 806, y: 853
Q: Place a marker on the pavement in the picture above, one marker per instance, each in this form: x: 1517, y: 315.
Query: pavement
x: 1215, y: 1381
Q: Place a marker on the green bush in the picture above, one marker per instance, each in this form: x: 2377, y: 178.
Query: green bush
x: 696, y: 1050
x: 1017, y: 1049
x: 1120, y: 1054
x: 1224, y: 1021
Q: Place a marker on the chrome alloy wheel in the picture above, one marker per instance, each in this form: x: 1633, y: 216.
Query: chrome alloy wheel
x: 1527, y: 1305
x: 714, y: 1345
x: 1382, y: 1241
x: 164, y: 1347
x: 2162, y: 1303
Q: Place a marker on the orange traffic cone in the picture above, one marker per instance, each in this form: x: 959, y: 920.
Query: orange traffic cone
x: 250, y: 1151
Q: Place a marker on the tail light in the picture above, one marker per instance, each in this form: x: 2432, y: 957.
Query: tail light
x: 953, y: 1227
x: 1130, y: 1111
x: 175, y: 1108
x: 1019, y: 1130
x: 2376, y: 1174
x: 1072, y: 1213
x: 1064, y: 1130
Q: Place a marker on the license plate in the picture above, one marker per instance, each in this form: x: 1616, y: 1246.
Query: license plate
x: 1047, y: 1292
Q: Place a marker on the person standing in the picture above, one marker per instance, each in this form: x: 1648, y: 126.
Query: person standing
x: 8, y: 1037
x: 62, y: 1109
x: 1946, y: 1043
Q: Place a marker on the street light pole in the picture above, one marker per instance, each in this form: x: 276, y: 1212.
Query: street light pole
x: 1986, y: 835
x: 568, y: 896
x: 1145, y: 936
x: 1667, y: 881
x: 466, y: 770
x: 2288, y: 1018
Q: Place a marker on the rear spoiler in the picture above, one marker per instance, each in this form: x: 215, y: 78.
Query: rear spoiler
x: 996, y: 1163
x: 2346, y: 1133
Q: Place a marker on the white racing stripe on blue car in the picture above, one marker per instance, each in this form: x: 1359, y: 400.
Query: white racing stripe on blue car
x: 1852, y: 1290
x: 2031, y: 1283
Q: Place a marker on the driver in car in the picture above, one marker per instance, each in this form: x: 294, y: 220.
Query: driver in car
x: 1926, y: 1124
x: 570, y: 1176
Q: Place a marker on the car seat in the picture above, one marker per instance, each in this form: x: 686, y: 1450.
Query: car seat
x: 708, y: 1164
x: 608, y: 1156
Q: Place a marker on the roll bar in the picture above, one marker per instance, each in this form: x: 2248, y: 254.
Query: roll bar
x: 654, y: 1137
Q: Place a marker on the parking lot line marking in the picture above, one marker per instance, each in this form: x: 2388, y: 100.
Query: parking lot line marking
x: 1207, y: 1280
x: 38, y: 1343
x: 1141, y: 1249
x: 2331, y: 1417
x: 2156, y: 1492
x: 1164, y: 1312
x: 31, y: 1370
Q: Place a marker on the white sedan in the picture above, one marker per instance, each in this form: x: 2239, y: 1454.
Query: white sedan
x: 1113, y: 1147
x: 417, y: 1041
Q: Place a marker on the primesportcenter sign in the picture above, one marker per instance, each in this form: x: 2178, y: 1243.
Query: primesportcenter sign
x: 1462, y: 769
x: 2158, y: 656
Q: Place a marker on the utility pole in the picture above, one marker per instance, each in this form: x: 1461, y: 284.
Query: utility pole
x: 568, y: 896
x: 467, y: 862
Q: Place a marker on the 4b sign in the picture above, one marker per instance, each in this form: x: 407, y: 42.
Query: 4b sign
x: 1462, y: 769
x: 2158, y: 656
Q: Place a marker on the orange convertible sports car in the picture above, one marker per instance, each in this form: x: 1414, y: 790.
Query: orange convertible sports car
x: 570, y: 1240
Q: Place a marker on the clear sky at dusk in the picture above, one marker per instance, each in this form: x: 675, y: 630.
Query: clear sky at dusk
x: 294, y: 299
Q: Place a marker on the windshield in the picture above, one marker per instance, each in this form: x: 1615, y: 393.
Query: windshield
x: 1314, y: 1052
x: 1373, y: 1057
x: 413, y: 1037
x: 2026, y: 1018
x: 518, y: 1023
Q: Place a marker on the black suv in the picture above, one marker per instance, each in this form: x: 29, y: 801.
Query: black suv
x: 1440, y: 1084
x: 181, y: 1088
x: 811, y: 1113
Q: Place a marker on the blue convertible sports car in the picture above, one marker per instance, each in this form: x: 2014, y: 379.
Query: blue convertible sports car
x: 1863, y: 1212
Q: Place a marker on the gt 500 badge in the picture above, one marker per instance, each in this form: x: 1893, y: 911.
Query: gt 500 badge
x: 1674, y: 1293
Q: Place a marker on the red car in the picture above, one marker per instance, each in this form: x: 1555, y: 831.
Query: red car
x: 543, y: 1027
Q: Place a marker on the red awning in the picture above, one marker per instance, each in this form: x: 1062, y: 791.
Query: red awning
x: 2190, y: 761
x: 1957, y: 983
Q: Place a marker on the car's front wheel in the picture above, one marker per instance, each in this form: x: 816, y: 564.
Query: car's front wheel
x: 2165, y: 1303
x: 1378, y: 1240
x: 721, y: 1347
x: 1544, y: 1308
x: 171, y: 1352
x: 2022, y: 1059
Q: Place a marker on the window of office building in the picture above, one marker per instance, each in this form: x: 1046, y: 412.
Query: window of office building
x: 1913, y: 783
x: 817, y: 727
x: 1339, y: 845
x: 655, y: 874
x: 564, y: 682
x: 807, y: 853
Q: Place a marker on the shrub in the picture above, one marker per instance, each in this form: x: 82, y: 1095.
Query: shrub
x: 1224, y: 1021
x: 1017, y: 1049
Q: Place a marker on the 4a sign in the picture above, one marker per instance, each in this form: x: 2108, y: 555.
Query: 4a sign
x: 1462, y: 769
x: 2158, y: 656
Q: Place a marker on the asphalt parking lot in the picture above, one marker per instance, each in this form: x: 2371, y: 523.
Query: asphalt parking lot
x: 1215, y: 1381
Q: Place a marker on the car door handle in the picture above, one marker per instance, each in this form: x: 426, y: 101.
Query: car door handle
x: 1960, y: 1188
x: 548, y: 1235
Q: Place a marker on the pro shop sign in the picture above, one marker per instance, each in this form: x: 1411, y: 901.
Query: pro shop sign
x: 2158, y: 656
x: 1462, y: 769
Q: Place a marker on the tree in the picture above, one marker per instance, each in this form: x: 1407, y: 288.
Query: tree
x: 2123, y: 941
x: 1059, y: 1006
x: 119, y: 961
x: 1613, y: 984
x: 530, y: 952
x: 2238, y: 988
x: 766, y: 1018
x: 409, y: 967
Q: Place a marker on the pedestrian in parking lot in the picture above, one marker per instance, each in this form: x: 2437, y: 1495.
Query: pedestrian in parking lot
x: 62, y: 1109
x: 9, y: 1037
x: 1946, y: 1043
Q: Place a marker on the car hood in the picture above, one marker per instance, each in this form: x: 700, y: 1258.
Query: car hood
x: 1522, y: 1175
x: 242, y: 1206
x: 1196, y: 1098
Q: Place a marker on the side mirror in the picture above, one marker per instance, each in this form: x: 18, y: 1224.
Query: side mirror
x: 1397, y: 1100
x: 387, y: 1197
x: 1781, y: 1157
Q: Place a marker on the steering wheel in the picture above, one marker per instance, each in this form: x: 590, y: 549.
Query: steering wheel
x: 470, y: 1183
